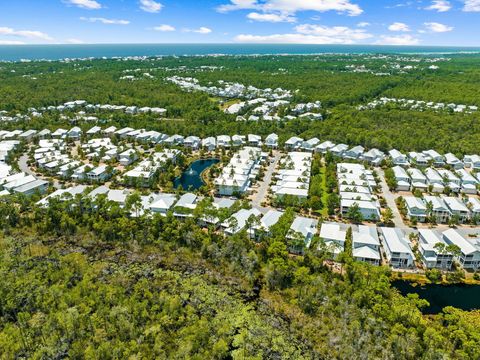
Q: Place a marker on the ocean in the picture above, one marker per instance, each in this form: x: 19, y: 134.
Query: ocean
x: 57, y: 52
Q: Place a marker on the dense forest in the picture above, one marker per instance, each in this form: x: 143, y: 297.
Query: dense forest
x: 82, y: 279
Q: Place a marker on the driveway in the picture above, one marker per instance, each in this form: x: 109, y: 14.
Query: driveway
x: 390, y: 199
x: 262, y: 190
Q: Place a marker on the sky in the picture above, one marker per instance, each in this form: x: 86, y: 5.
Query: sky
x: 386, y: 22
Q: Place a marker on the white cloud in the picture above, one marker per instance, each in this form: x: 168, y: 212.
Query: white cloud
x: 439, y: 5
x: 437, y: 27
x: 202, y: 30
x: 363, y: 24
x: 398, y: 26
x: 311, y: 34
x: 85, y: 4
x: 292, y: 6
x: 471, y: 6
x: 105, y: 21
x: 274, y: 18
x: 31, y: 34
x: 164, y: 28
x: 150, y: 6
x: 11, y: 42
x: 404, y: 39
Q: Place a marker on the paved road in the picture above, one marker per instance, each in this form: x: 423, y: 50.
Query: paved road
x: 262, y: 191
x: 23, y: 166
x: 390, y: 198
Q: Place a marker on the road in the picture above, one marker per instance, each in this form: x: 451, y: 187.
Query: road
x: 390, y: 199
x: 23, y: 166
x: 262, y: 191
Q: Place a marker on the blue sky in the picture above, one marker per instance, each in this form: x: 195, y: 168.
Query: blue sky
x: 402, y: 22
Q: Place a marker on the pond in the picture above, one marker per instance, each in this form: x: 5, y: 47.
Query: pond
x: 191, y: 178
x: 465, y: 297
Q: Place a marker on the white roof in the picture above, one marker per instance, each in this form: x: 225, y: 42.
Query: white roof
x: 453, y: 237
x: 366, y: 252
x: 396, y: 241
x: 332, y: 231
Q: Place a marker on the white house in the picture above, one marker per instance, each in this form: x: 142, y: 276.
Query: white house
x: 457, y: 208
x: 472, y: 161
x: 366, y: 245
x: 334, y: 236
x: 402, y: 178
x: 469, y: 249
x: 432, y: 257
x: 416, y: 208
x: 453, y: 161
x: 294, y: 143
x: 271, y: 141
x: 398, y: 158
x: 354, y: 153
x: 324, y: 147
x: 128, y: 157
x: 239, y: 220
x: 305, y: 228
x: 397, y: 248
x: 266, y: 222
x: 438, y: 207
x: 339, y: 149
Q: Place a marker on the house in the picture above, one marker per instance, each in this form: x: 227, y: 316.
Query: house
x: 435, y: 157
x: 294, y: 143
x: 122, y: 133
x: 418, y: 159
x: 13, y: 182
x: 310, y: 145
x: 271, y: 141
x: 239, y: 220
x: 402, y: 178
x: 43, y: 134
x: 439, y: 209
x: 368, y: 209
x: 163, y: 204
x: 224, y: 141
x: 469, y: 256
x: 66, y: 171
x: 33, y: 187
x: 333, y: 236
x: 339, y: 149
x: 449, y: 177
x: 453, y: 161
x: 457, y: 208
x: 366, y: 245
x: 266, y: 222
x: 432, y: 254
x: 324, y: 147
x: 433, y: 177
x: 398, y: 158
x: 209, y: 143
x: 472, y: 161
x: 74, y: 133
x: 27, y: 135
x: 473, y: 205
x: 99, y: 173
x: 185, y: 206
x: 302, y: 229
x: 128, y: 157
x: 397, y: 248
x: 467, y: 179
x: 254, y: 140
x: 418, y: 179
x: 374, y: 156
x: 416, y: 208
x: 118, y: 196
x: 94, y: 131
x: 110, y: 131
x: 238, y: 140
x: 192, y: 142
x: 354, y: 153
x: 59, y: 133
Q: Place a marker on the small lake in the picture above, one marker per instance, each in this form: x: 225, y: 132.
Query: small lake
x: 465, y: 297
x: 191, y: 178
